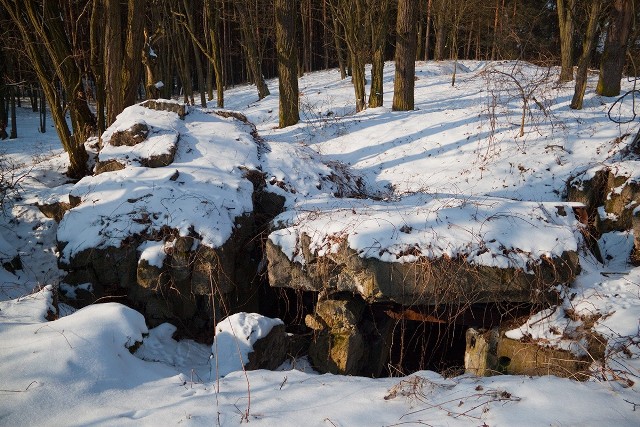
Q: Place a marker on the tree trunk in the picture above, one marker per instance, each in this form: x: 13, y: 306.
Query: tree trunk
x: 615, y: 48
x: 494, y: 43
x: 305, y: 12
x: 587, y: 48
x: 403, y: 97
x: 566, y: 10
x: 252, y: 57
x: 43, y: 112
x: 113, y: 60
x: 339, y: 50
x: 379, y: 23
x: 14, y: 123
x: 196, y: 52
x: 132, y: 67
x: 325, y: 35
x: 358, y: 77
x: 33, y: 98
x: 213, y: 18
x: 420, y: 29
x: 427, y: 32
x: 286, y: 47
x: 96, y: 42
x: 122, y: 54
x: 3, y: 97
x: 440, y: 21
x: 353, y: 16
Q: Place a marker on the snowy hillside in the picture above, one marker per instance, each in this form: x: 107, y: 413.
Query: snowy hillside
x: 477, y: 171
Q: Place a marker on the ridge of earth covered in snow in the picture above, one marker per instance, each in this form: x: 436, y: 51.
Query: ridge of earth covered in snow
x: 452, y: 178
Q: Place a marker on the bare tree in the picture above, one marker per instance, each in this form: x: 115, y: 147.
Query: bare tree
x: 566, y: 12
x: 47, y: 45
x: 404, y: 83
x: 352, y: 15
x: 427, y: 31
x: 378, y: 18
x: 615, y: 47
x: 588, y: 45
x: 122, y: 53
x: 253, y: 58
x: 212, y: 22
x: 441, y: 21
x: 287, y: 62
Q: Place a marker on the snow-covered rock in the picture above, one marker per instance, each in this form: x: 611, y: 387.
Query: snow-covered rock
x: 426, y: 249
x: 197, y: 211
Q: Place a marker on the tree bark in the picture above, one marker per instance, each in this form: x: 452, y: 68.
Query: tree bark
x: 96, y: 43
x: 566, y: 10
x: 338, y: 44
x: 403, y: 96
x: 42, y: 113
x: 494, y: 43
x: 14, y: 123
x: 3, y: 96
x: 122, y: 54
x: 427, y: 35
x: 353, y: 17
x: 615, y: 48
x: 196, y: 52
x: 585, y: 58
x: 379, y: 23
x: 440, y: 21
x: 286, y: 47
x: 252, y: 57
x: 213, y: 18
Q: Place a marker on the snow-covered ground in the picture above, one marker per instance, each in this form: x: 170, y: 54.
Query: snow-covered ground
x: 460, y: 146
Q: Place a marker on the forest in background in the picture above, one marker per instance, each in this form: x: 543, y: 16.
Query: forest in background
x: 92, y: 58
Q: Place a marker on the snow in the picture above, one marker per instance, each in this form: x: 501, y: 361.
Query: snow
x: 152, y: 252
x: 454, y: 168
x: 203, y: 191
x: 483, y: 230
x: 234, y: 340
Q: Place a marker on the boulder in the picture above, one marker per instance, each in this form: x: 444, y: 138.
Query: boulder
x: 110, y: 165
x: 191, y: 272
x: 54, y: 210
x: 166, y: 239
x: 136, y: 134
x: 338, y: 346
x: 270, y: 351
x: 157, y: 149
x: 338, y: 352
x: 610, y: 194
x: 348, y: 340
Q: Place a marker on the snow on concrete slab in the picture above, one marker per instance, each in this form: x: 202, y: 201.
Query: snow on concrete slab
x: 484, y: 231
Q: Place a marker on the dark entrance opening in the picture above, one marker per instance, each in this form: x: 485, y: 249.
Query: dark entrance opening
x: 434, y: 339
x: 430, y: 346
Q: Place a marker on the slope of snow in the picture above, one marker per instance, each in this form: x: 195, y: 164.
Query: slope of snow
x: 458, y: 146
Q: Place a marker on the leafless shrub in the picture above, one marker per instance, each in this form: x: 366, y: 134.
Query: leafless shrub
x: 12, y: 176
x: 321, y: 118
x: 510, y: 83
x: 427, y: 395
